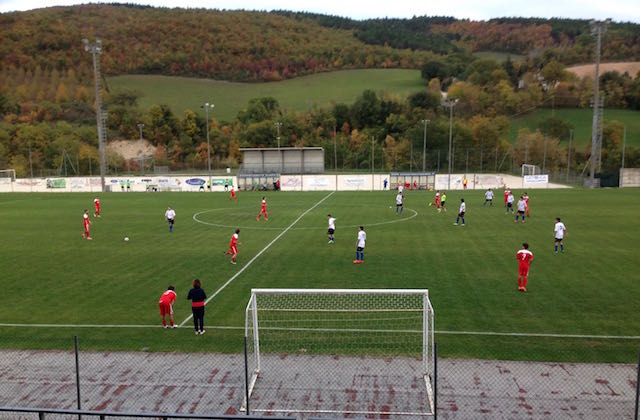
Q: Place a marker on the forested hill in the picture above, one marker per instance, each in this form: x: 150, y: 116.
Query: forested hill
x: 568, y: 40
x: 261, y: 46
x: 227, y: 45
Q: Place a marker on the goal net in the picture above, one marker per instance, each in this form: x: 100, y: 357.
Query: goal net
x: 357, y: 352
x: 530, y: 169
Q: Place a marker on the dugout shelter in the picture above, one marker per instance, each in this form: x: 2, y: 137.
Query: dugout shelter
x: 413, y: 180
x: 283, y: 160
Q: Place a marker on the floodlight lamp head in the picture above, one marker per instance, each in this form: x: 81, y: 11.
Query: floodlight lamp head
x: 85, y: 42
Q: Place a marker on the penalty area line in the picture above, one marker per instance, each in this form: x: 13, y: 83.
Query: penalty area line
x: 228, y: 282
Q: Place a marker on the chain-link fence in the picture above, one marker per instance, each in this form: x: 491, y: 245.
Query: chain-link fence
x: 180, y: 376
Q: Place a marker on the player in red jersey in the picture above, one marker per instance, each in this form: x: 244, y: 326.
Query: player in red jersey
x: 526, y: 200
x: 233, y: 246
x: 96, y: 204
x: 86, y: 222
x: 233, y: 195
x: 166, y: 306
x: 524, y: 257
x: 436, y: 201
x: 507, y: 192
x: 263, y: 209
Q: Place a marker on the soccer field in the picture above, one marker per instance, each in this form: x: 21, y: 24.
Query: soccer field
x: 581, y: 305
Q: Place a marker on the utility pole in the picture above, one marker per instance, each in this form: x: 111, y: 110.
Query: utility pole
x: 624, y: 145
x: 598, y: 28
x: 96, y: 49
x: 569, y: 154
x: 206, y: 107
x: 278, y: 125
x: 372, y: 159
x: 140, y: 127
x: 424, y: 146
x: 449, y: 103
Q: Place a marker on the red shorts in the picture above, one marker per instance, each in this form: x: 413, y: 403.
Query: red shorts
x: 165, y: 308
x: 233, y: 249
x: 523, y: 270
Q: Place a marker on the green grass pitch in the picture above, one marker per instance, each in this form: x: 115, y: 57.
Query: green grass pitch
x: 50, y: 275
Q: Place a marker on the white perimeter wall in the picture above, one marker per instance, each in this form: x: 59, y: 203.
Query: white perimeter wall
x: 341, y: 182
x: 629, y: 177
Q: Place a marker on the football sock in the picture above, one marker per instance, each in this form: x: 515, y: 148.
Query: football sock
x: 524, y: 282
x: 562, y: 247
x: 555, y: 248
x: 164, y: 322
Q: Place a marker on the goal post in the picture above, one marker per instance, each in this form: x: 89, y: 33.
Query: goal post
x: 356, y: 351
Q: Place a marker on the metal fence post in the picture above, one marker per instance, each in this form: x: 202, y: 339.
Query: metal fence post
x: 435, y: 381
x: 637, y: 386
x: 75, y: 339
x: 246, y: 374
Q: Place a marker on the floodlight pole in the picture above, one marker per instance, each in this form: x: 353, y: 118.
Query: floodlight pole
x: 424, y: 146
x: 278, y: 125
x: 206, y: 107
x: 449, y: 103
x: 598, y: 28
x: 96, y: 49
x: 140, y: 127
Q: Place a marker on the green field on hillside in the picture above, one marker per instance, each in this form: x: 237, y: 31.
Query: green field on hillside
x: 582, y: 120
x: 106, y: 290
x: 299, y: 94
x: 500, y: 57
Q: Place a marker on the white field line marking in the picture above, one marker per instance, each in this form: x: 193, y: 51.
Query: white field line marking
x: 388, y: 222
x: 223, y: 327
x: 258, y: 255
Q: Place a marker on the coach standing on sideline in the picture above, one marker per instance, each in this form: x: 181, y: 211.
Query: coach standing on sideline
x: 197, y: 296
x: 170, y: 215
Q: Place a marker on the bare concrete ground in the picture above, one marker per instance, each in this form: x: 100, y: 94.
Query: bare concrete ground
x: 354, y: 386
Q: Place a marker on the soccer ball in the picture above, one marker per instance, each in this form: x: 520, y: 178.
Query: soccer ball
x: 126, y: 239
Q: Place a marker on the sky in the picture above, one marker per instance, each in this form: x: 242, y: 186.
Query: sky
x: 618, y: 10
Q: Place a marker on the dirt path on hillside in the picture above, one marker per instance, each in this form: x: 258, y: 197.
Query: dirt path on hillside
x: 632, y: 67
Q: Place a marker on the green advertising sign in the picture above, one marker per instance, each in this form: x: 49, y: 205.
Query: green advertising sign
x: 221, y: 181
x: 56, y: 183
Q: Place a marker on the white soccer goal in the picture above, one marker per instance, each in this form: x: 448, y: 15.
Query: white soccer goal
x: 530, y: 169
x: 7, y: 175
x: 362, y: 352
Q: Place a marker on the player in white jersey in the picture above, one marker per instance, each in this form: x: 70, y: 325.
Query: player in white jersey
x: 510, y: 200
x: 521, y: 205
x: 461, y: 212
x: 170, y: 216
x: 360, y: 242
x: 332, y: 229
x: 399, y: 199
x: 559, y: 231
x: 488, y: 197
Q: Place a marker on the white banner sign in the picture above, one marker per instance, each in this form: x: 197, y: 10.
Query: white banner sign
x: 318, y: 182
x: 355, y: 182
x: 536, y: 179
